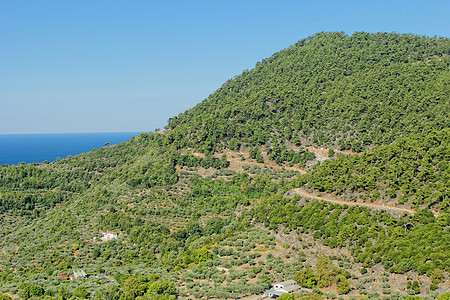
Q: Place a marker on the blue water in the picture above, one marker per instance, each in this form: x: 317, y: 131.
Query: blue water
x: 28, y: 148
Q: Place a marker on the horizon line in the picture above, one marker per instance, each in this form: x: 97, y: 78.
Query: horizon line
x: 93, y: 132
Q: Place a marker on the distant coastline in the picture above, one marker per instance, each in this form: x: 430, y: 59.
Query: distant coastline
x: 36, y: 148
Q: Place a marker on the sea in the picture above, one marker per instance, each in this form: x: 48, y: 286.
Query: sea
x: 36, y: 148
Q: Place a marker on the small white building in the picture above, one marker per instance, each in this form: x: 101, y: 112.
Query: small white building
x: 284, y: 284
x: 285, y: 287
x: 109, y: 235
x: 78, y: 274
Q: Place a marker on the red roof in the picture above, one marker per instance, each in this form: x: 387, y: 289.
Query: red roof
x: 112, y: 232
x: 63, y: 276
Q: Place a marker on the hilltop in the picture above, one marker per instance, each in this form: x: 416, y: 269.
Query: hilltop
x: 330, y: 89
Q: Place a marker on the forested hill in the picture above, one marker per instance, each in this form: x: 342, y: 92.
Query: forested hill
x: 347, y: 92
x: 161, y: 220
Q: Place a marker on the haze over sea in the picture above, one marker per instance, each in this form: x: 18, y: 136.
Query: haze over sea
x: 28, y: 148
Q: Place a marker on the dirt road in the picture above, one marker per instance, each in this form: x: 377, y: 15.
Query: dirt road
x: 304, y: 193
x: 321, y: 153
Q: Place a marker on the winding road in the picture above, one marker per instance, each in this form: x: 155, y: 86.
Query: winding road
x: 304, y: 193
x: 321, y: 153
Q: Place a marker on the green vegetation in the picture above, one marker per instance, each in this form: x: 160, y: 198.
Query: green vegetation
x: 414, y: 170
x: 191, y: 224
x: 325, y: 275
x: 348, y: 92
x: 371, y: 237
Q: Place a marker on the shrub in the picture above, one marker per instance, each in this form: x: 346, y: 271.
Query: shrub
x: 437, y: 276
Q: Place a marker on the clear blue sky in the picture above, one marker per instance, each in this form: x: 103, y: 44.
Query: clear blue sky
x: 103, y: 66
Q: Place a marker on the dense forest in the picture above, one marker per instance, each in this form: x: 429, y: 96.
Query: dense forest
x: 348, y: 92
x: 205, y: 208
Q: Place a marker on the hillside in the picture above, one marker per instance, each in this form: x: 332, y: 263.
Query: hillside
x: 412, y: 171
x: 207, y: 208
x: 347, y: 92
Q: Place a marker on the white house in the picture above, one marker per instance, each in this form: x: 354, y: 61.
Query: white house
x: 109, y: 235
x: 78, y: 274
x: 284, y: 284
x: 285, y: 287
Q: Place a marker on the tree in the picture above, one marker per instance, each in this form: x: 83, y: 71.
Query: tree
x: 326, y: 271
x: 163, y: 287
x: 331, y: 152
x: 343, y: 286
x: 63, y: 293
x: 112, y: 292
x: 133, y: 288
x: 443, y: 219
x: 424, y: 216
x: 437, y: 276
x: 306, y: 278
x: 259, y: 158
x: 31, y: 290
x: 214, y: 225
x: 106, y: 255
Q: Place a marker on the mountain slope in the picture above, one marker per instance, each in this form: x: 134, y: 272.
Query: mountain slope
x: 350, y: 92
x: 413, y: 171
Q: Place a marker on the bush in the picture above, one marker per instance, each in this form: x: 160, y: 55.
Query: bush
x: 437, y: 276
